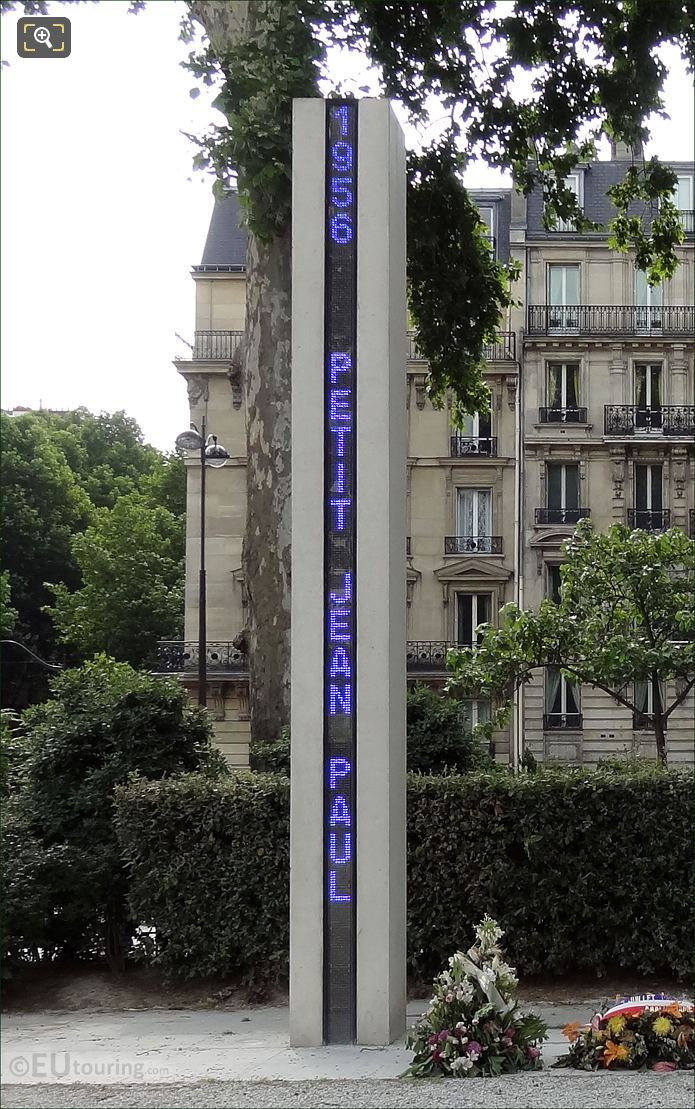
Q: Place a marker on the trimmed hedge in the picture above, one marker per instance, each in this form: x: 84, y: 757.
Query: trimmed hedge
x: 585, y: 870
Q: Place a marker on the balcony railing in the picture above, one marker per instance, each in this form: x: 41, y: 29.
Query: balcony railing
x: 649, y: 519
x: 408, y: 551
x: 582, y: 319
x: 472, y: 544
x: 427, y: 657
x: 631, y: 419
x: 216, y: 346
x: 504, y: 350
x: 687, y: 220
x: 554, y: 721
x: 461, y: 446
x: 560, y: 515
x: 178, y: 657
x: 562, y: 415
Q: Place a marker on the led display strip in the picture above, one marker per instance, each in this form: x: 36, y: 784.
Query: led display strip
x: 339, y: 737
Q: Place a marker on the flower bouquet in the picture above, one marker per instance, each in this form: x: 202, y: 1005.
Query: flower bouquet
x: 649, y: 1032
x: 472, y: 1027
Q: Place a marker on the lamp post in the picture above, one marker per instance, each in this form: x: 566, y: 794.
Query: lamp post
x: 215, y: 455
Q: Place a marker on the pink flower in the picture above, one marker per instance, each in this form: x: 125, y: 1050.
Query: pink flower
x: 433, y: 1039
x: 664, y: 1066
x: 596, y: 1022
x: 532, y: 1052
x: 443, y: 1036
x: 473, y: 1048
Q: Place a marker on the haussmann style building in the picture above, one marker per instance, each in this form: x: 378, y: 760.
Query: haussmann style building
x: 592, y: 414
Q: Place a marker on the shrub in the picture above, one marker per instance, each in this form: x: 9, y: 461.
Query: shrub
x: 104, y: 722
x: 209, y: 864
x: 437, y: 739
x: 585, y: 870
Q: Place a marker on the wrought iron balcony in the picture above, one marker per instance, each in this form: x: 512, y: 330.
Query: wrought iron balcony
x: 567, y: 721
x: 631, y: 419
x: 560, y: 515
x: 407, y: 546
x: 178, y: 657
x: 472, y: 544
x: 648, y: 519
x: 427, y: 657
x: 216, y: 346
x: 462, y: 446
x: 562, y: 415
x: 504, y: 350
x: 611, y: 319
x: 687, y: 220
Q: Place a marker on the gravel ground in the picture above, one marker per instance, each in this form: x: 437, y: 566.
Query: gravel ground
x: 556, y: 1090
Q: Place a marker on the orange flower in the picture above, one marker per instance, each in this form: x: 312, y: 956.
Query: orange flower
x: 614, y: 1053
x: 571, y: 1031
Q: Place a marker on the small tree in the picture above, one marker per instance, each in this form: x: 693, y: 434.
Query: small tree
x: 131, y: 559
x: 105, y: 722
x: 625, y: 616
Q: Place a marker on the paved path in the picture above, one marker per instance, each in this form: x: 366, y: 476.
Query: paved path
x: 174, y: 1058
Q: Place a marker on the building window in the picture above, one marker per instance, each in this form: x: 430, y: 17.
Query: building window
x: 563, y: 296
x: 683, y: 199
x: 648, y: 395
x: 474, y: 713
x: 649, y: 301
x: 562, y: 701
x: 563, y: 486
x: 645, y: 699
x: 562, y: 392
x: 474, y: 438
x: 472, y: 609
x: 554, y: 584
x: 573, y: 182
x: 474, y: 518
x: 487, y: 216
x: 649, y: 512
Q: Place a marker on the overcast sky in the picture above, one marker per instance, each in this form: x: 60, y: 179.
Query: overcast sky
x: 102, y: 216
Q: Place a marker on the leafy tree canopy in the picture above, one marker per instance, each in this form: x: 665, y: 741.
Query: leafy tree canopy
x: 527, y: 87
x: 131, y: 559
x: 625, y: 615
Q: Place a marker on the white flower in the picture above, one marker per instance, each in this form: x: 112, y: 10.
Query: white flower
x: 449, y: 998
x: 462, y: 1063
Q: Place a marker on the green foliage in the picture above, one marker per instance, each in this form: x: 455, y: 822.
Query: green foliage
x: 43, y: 506
x: 585, y: 871
x: 132, y: 564
x: 210, y: 865
x: 58, y: 467
x: 456, y: 289
x: 437, y: 737
x: 625, y: 615
x: 272, y: 757
x: 266, y: 62
x: 8, y: 614
x: 105, y: 721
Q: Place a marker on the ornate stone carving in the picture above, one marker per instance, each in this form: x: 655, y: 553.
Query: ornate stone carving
x: 420, y: 383
x: 216, y: 700
x: 618, y: 473
x: 409, y: 590
x: 679, y: 461
x: 511, y: 384
x: 198, y: 388
x: 234, y: 379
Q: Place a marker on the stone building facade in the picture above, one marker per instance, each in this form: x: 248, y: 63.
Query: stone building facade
x: 591, y: 413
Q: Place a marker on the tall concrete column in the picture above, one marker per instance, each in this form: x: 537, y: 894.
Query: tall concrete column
x: 347, y: 882
x: 381, y: 509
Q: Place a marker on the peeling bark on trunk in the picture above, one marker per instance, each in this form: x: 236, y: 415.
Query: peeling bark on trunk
x: 266, y: 549
x: 266, y: 554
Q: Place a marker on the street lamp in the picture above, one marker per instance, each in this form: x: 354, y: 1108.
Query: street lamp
x: 211, y: 454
